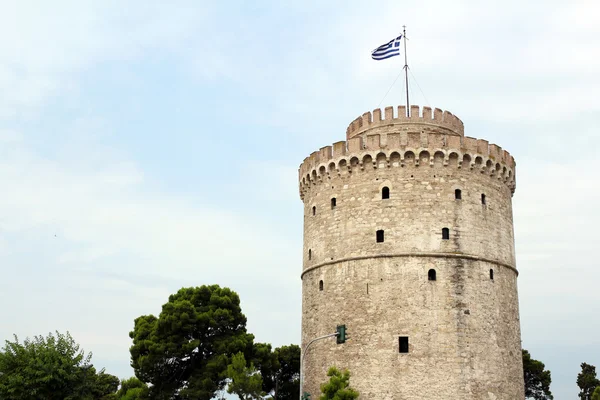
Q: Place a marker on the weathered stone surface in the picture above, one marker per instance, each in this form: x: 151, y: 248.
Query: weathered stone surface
x: 463, y: 328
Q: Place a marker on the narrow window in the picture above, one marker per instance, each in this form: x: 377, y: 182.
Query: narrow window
x: 492, y: 274
x: 314, y: 210
x: 482, y: 198
x: 385, y: 192
x: 445, y: 233
x: 379, y: 236
x: 431, y: 275
x: 403, y: 344
x: 458, y: 194
x: 309, y: 254
x: 333, y: 203
x: 320, y: 285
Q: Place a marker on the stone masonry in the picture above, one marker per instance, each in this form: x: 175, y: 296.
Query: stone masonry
x: 463, y: 329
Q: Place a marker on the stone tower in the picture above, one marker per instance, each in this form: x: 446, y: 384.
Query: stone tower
x: 408, y: 241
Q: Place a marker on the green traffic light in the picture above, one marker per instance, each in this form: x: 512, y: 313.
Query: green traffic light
x: 341, y: 334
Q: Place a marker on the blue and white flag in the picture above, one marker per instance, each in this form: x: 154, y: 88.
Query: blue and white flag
x: 390, y: 49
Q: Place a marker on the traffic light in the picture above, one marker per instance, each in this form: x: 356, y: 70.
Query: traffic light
x: 341, y: 334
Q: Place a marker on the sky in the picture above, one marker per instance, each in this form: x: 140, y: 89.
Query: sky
x: 147, y: 146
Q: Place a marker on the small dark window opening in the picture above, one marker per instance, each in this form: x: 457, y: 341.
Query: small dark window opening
x: 431, y: 275
x: 491, y: 274
x: 309, y: 254
x: 333, y: 203
x: 314, y: 210
x: 379, y: 236
x: 403, y: 344
x: 385, y: 192
x: 482, y: 198
x: 458, y: 194
x: 445, y: 233
x: 320, y: 285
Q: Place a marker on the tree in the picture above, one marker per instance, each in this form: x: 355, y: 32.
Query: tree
x: 280, y: 370
x: 338, y: 386
x: 287, y: 375
x: 132, y: 389
x: 185, y: 352
x: 587, y: 381
x: 52, y: 367
x: 246, y: 381
x: 596, y: 394
x: 265, y: 361
x: 537, y: 380
x: 103, y: 385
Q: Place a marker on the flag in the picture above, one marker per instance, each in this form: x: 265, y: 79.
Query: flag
x: 390, y: 49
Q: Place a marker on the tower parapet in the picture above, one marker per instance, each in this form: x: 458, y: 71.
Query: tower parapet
x: 425, y: 139
x: 421, y: 120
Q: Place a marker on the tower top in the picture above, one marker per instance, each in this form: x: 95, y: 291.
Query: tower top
x: 421, y: 119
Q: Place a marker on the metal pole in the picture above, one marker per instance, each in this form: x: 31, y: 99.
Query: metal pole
x: 406, y: 71
x: 304, y: 353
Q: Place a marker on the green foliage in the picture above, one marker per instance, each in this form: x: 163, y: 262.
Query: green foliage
x: 280, y: 370
x: 104, y: 385
x: 265, y: 361
x: 246, y: 382
x: 187, y: 349
x: 338, y: 386
x: 52, y: 367
x: 132, y: 389
x: 287, y: 375
x: 587, y: 381
x: 537, y: 380
x: 596, y: 394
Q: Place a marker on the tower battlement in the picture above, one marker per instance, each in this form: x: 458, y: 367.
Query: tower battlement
x: 430, y: 139
x: 421, y: 119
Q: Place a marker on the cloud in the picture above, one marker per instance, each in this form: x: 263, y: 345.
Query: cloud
x: 46, y: 46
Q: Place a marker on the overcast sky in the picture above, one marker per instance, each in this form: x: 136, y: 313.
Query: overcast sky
x: 145, y: 147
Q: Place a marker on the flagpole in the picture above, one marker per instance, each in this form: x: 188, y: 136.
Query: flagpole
x: 406, y: 71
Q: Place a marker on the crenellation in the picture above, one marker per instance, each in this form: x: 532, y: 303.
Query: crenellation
x: 377, y: 115
x: 427, y: 114
x: 482, y: 146
x: 506, y: 157
x: 402, y: 113
x: 377, y: 122
x: 339, y: 148
x: 354, y: 126
x: 325, y: 153
x: 470, y: 144
x: 495, y: 152
x: 367, y: 119
x: 389, y: 113
x: 314, y: 157
x: 415, y: 112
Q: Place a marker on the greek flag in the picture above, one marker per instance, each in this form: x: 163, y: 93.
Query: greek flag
x: 390, y: 49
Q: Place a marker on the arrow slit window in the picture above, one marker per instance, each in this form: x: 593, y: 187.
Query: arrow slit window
x: 403, y: 344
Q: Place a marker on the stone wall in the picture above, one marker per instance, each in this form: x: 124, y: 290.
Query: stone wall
x: 463, y: 328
